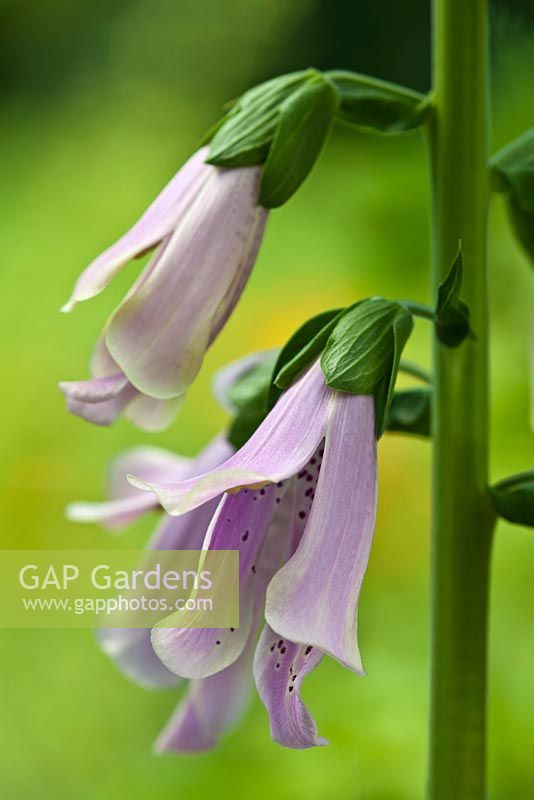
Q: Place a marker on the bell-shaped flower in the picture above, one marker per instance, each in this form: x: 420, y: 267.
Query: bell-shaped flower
x: 206, y: 227
x: 298, y: 501
x: 211, y: 705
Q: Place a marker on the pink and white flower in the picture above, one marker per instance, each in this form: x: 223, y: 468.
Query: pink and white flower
x: 206, y: 228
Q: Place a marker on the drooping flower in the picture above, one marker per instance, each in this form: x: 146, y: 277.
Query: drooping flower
x: 210, y: 706
x: 299, y: 502
x: 206, y: 227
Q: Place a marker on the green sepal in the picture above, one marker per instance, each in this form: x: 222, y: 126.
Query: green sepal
x: 304, y: 123
x: 301, y: 349
x: 243, y: 137
x: 377, y: 105
x: 512, y: 172
x: 409, y: 412
x: 513, y: 498
x: 452, y: 314
x: 363, y: 352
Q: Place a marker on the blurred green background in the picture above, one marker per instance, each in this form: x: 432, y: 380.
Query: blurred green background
x: 102, y: 101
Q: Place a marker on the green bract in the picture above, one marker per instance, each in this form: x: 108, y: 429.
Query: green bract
x: 285, y: 122
x: 452, y: 314
x: 377, y: 105
x: 360, y: 349
x: 304, y: 123
x: 363, y: 352
x: 305, y: 345
x: 242, y: 138
x: 513, y: 498
x: 512, y: 170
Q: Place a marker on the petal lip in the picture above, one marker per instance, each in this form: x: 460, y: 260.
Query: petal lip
x: 193, y: 652
x: 114, y: 514
x: 104, y: 412
x: 283, y: 443
x: 280, y: 667
x: 154, y: 463
x: 228, y: 480
x: 94, y: 390
x: 153, y: 226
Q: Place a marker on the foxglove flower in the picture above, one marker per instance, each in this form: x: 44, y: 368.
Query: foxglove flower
x: 199, y: 720
x: 299, y: 502
x: 206, y: 227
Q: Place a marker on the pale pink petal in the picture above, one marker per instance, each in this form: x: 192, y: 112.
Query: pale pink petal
x: 131, y: 649
x: 99, y: 400
x: 280, y: 666
x: 157, y: 222
x: 128, y: 503
x: 280, y: 447
x: 210, y: 707
x: 313, y: 599
x: 150, y: 414
x: 113, y: 514
x: 241, y: 523
x: 160, y: 332
x: 154, y: 463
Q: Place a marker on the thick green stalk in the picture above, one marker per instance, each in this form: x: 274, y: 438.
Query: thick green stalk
x: 462, y: 516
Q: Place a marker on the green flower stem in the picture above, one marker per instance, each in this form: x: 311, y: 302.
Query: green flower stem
x: 419, y: 310
x: 463, y: 518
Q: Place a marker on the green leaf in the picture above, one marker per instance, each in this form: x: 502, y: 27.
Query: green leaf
x: 512, y: 171
x: 301, y: 349
x: 303, y: 127
x: 362, y: 354
x: 513, y: 498
x: 409, y: 412
x: 244, y: 135
x: 377, y: 105
x: 452, y: 314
